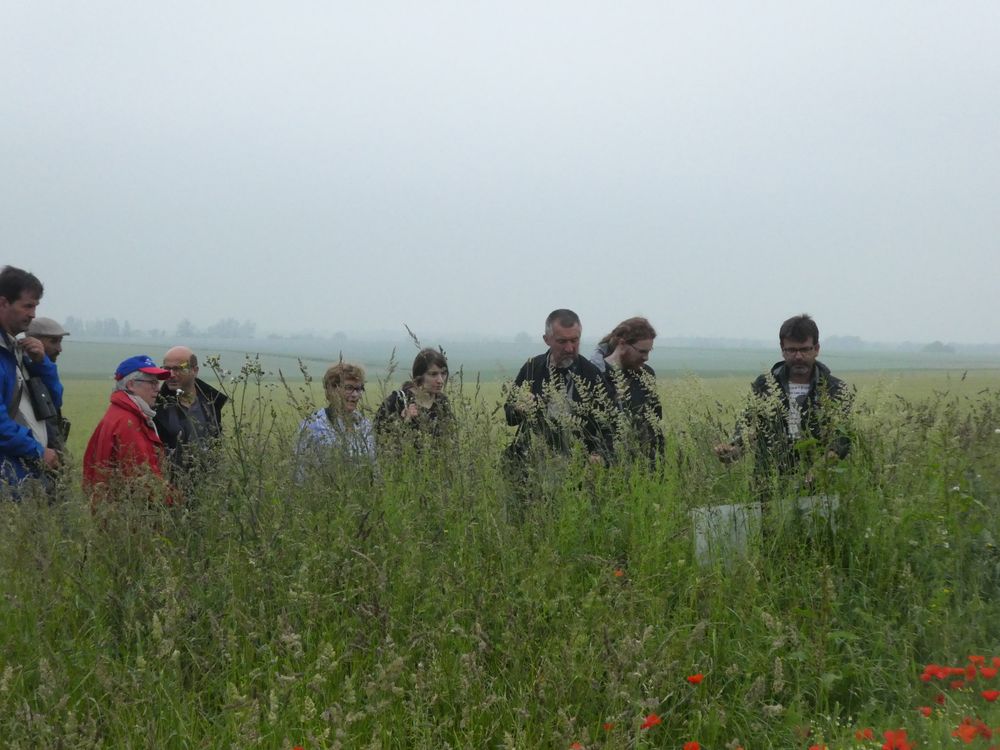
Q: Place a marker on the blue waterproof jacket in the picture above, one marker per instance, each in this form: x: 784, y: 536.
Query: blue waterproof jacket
x: 19, y: 451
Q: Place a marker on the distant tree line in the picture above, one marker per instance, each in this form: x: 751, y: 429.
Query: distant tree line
x: 110, y: 328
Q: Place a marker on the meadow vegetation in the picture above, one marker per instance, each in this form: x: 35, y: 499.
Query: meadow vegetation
x: 413, y: 610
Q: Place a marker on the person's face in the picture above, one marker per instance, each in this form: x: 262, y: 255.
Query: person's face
x: 634, y: 356
x: 434, y: 380
x: 182, y: 374
x: 564, y: 343
x: 145, y: 387
x: 52, y: 346
x: 800, y: 356
x: 347, y: 395
x: 15, y: 317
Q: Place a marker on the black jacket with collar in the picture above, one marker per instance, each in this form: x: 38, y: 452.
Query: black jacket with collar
x: 634, y: 393
x: 588, y: 422
x: 823, y: 412
x: 174, y: 425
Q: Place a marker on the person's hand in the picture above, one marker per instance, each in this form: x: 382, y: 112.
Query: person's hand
x: 728, y: 452
x: 410, y: 412
x: 50, y: 458
x: 33, y: 348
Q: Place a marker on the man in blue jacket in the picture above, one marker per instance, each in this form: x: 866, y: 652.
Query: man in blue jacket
x: 23, y: 435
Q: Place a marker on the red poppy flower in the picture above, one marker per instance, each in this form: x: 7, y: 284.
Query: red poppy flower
x: 895, y: 739
x: 988, y: 672
x: 957, y: 684
x: 969, y: 729
x: 925, y: 710
x: 692, y: 746
x: 939, y: 699
x: 608, y: 726
x: 965, y: 732
x: 926, y: 677
x: 651, y: 721
x: 975, y: 659
x: 576, y: 746
x: 619, y: 572
x: 817, y: 747
x: 991, y: 695
x: 996, y: 661
x: 695, y: 679
x: 970, y: 672
x: 865, y: 734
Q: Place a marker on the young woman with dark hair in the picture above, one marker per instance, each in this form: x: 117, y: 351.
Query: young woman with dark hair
x: 420, y: 406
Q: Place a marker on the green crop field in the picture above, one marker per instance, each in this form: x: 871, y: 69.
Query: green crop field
x: 431, y: 606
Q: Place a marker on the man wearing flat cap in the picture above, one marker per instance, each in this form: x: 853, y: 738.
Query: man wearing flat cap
x: 51, y: 334
x: 125, y: 447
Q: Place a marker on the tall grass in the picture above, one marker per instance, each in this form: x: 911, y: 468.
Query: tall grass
x: 415, y: 610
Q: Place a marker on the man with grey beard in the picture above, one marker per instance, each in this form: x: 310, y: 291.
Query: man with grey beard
x: 558, y: 398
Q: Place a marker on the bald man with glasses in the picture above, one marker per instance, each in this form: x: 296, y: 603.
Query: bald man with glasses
x: 188, y: 415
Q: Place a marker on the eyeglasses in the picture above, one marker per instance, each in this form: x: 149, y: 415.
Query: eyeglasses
x: 353, y: 388
x: 184, y: 367
x: 791, y: 351
x: 146, y: 380
x: 641, y: 351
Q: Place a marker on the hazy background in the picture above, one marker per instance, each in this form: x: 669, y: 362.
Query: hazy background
x: 467, y: 166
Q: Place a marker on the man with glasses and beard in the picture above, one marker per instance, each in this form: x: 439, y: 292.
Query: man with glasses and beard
x: 188, y: 414
x: 621, y: 356
x: 799, y: 409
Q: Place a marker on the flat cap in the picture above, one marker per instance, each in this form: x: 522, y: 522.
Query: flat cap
x: 45, y: 327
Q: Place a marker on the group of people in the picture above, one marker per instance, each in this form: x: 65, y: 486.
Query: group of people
x: 163, y: 422
x: 606, y: 405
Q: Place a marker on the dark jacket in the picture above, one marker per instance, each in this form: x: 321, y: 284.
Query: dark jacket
x: 639, y: 424
x: 822, y: 426
x: 434, y: 422
x: 176, y: 428
x: 580, y: 387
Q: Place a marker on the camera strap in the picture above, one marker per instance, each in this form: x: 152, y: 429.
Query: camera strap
x: 26, y: 417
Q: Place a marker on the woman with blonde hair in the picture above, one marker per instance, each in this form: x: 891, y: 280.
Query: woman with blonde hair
x: 337, y: 435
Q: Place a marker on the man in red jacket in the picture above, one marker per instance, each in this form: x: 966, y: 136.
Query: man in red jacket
x: 125, y: 446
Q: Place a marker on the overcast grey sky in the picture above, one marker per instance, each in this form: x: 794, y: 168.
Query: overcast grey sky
x: 468, y: 166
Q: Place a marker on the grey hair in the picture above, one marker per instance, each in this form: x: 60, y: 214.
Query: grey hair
x: 124, y: 383
x: 565, y: 318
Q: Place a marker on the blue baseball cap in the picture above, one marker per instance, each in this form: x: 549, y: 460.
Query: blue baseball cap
x: 141, y: 363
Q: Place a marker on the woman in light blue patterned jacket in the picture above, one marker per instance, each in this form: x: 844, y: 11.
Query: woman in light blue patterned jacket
x: 337, y: 438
